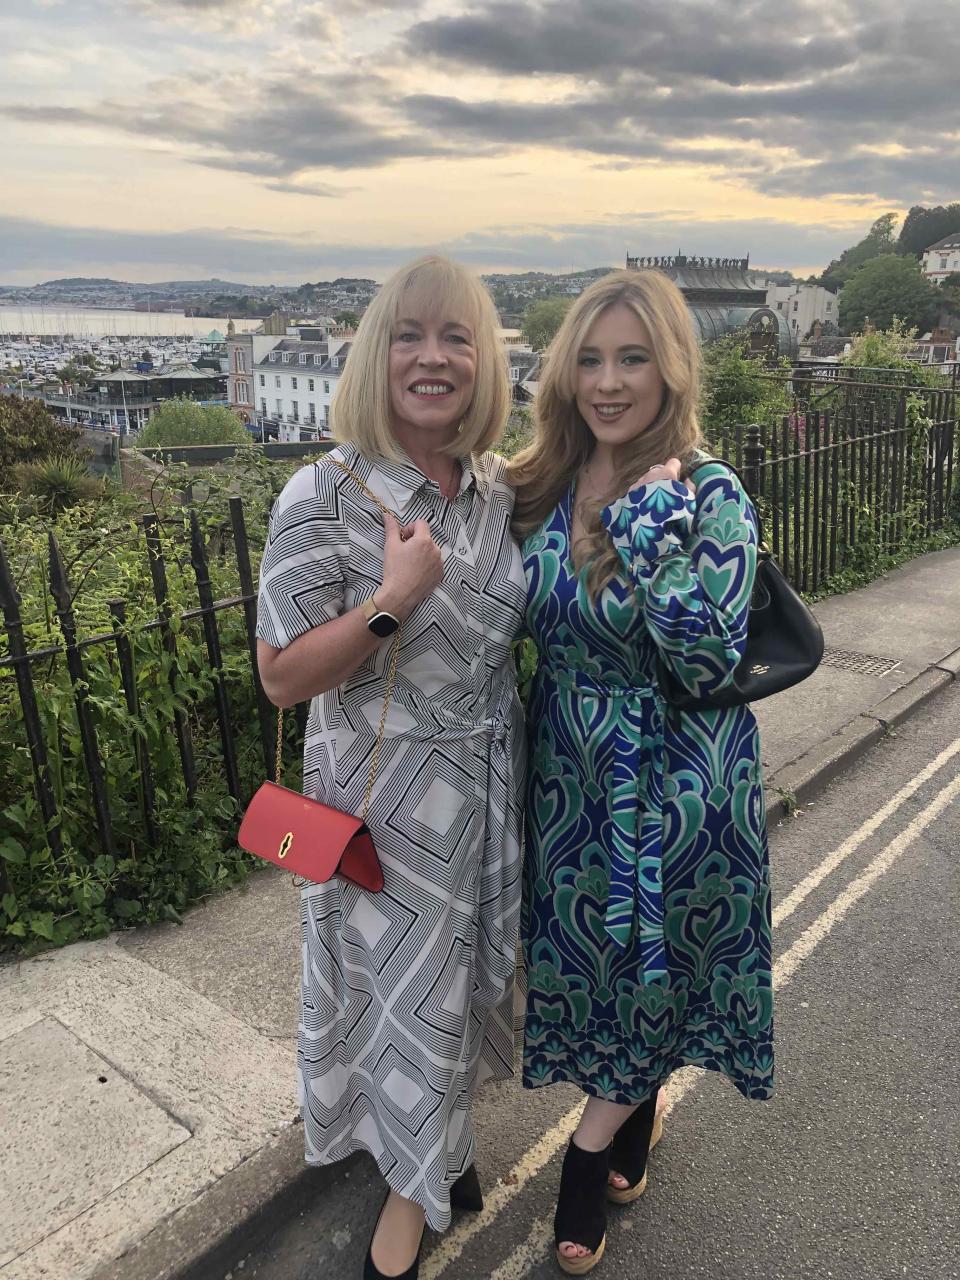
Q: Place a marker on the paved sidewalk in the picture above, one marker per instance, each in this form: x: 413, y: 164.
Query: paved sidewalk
x: 147, y: 1107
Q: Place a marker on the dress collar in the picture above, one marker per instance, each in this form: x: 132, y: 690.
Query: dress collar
x: 406, y: 481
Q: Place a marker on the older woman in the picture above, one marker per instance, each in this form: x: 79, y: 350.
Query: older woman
x: 647, y: 929
x: 407, y: 992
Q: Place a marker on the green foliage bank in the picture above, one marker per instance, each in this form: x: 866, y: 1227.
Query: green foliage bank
x: 84, y: 892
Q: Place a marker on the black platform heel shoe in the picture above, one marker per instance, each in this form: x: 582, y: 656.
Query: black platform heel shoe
x: 581, y: 1215
x: 370, y: 1270
x: 465, y: 1193
x: 631, y: 1146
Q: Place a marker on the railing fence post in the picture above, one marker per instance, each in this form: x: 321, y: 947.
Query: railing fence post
x: 60, y: 589
x: 118, y: 612
x: 198, y: 558
x: 266, y: 714
x: 158, y: 573
x: 10, y: 605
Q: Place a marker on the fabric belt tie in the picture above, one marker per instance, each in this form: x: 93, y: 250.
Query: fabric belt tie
x: 634, y: 914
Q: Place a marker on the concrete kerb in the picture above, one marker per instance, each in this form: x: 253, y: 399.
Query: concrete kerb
x: 951, y: 664
x: 809, y: 773
x: 206, y: 1239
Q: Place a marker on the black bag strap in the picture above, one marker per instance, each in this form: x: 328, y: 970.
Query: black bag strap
x: 722, y: 462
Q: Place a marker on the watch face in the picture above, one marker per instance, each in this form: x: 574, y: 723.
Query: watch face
x: 383, y: 624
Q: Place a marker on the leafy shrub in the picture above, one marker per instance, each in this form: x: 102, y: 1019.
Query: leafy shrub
x: 182, y: 421
x: 28, y: 433
x: 518, y: 432
x: 85, y: 892
x: 738, y: 389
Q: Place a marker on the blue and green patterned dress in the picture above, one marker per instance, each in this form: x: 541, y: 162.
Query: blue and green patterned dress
x: 647, y: 902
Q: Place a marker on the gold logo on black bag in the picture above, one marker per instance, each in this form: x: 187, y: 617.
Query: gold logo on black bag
x: 759, y: 670
x: 285, y: 845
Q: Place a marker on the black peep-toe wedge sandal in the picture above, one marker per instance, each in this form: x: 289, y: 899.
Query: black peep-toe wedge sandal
x: 634, y: 1141
x: 581, y: 1216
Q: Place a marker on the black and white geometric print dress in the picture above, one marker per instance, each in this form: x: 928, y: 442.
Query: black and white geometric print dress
x: 407, y: 993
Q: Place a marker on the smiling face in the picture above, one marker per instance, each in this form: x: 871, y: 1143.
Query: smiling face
x: 433, y: 367
x: 619, y: 387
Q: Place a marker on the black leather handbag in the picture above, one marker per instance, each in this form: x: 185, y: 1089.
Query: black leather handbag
x: 784, y: 640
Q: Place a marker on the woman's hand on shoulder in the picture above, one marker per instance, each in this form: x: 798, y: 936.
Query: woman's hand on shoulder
x: 412, y: 566
x: 669, y: 470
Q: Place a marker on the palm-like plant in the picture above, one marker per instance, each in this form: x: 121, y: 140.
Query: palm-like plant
x: 57, y: 483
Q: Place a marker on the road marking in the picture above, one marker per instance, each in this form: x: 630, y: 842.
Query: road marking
x: 815, y: 933
x: 832, y: 861
x: 532, y: 1249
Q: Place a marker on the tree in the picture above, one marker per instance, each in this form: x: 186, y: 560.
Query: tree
x: 183, y: 421
x: 541, y: 320
x: 28, y: 433
x: 79, y: 373
x: 923, y: 227
x: 878, y: 240
x: 950, y: 292
x: 348, y: 319
x: 884, y: 288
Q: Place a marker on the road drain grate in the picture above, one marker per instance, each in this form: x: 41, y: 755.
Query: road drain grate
x: 865, y: 664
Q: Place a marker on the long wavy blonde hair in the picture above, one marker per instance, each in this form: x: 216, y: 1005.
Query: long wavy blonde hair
x: 563, y: 442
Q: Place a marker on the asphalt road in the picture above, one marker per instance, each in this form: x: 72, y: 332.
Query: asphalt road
x: 852, y: 1171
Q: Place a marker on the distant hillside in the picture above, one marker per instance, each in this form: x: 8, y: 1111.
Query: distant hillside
x: 204, y: 286
x: 212, y: 285
x: 81, y: 282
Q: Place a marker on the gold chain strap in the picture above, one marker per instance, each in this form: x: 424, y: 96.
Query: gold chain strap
x: 391, y: 674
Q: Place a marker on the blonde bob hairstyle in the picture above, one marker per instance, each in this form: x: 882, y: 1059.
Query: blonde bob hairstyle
x: 563, y: 442
x: 431, y: 287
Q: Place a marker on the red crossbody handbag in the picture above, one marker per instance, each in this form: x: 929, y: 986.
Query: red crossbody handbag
x: 311, y: 839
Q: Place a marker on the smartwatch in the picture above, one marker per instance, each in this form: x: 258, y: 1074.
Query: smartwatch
x: 381, y: 623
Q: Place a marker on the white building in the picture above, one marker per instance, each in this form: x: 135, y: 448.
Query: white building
x: 294, y: 383
x: 942, y: 258
x: 802, y: 305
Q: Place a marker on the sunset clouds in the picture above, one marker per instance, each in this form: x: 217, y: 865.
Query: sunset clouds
x: 288, y: 141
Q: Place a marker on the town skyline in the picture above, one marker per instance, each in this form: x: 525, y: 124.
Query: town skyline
x: 279, y: 142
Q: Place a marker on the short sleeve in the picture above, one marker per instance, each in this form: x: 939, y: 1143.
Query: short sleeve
x: 302, y: 571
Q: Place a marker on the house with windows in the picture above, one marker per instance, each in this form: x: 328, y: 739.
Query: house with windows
x: 524, y: 372
x: 942, y: 259
x: 294, y: 383
x: 803, y: 305
x: 244, y: 350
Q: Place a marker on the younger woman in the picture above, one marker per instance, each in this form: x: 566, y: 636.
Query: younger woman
x: 646, y: 915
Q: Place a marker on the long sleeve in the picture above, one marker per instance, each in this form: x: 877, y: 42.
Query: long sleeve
x: 693, y: 563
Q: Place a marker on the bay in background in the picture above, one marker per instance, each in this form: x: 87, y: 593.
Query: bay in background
x: 96, y: 322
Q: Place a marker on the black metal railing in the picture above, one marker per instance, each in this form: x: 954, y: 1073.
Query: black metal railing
x: 836, y: 491
x: 19, y: 663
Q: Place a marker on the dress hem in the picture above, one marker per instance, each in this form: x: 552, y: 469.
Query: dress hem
x: 751, y: 1092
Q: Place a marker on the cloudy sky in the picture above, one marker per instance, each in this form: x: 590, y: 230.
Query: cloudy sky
x: 281, y: 140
